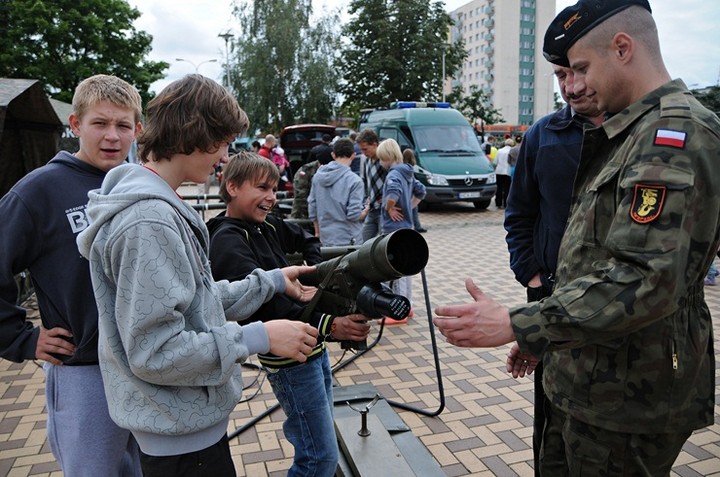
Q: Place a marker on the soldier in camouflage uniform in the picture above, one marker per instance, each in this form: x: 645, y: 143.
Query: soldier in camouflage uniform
x: 301, y: 189
x: 626, y: 337
x: 318, y: 156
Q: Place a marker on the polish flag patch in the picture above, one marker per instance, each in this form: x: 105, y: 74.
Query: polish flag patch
x: 669, y: 137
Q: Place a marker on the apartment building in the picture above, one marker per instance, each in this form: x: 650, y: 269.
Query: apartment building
x: 504, y: 41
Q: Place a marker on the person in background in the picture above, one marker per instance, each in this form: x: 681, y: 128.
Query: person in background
x: 268, y: 146
x: 280, y: 160
x: 626, y: 336
x: 409, y: 158
x: 490, y: 150
x: 513, y: 156
x: 502, y: 172
x: 335, y: 204
x: 373, y: 175
x: 537, y: 211
x: 42, y: 215
x: 246, y: 238
x: 355, y: 164
x: 486, y: 150
x: 323, y: 151
x: 401, y: 193
x: 169, y: 341
x: 302, y: 184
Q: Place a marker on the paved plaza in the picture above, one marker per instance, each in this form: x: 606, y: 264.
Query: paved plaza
x: 485, y: 427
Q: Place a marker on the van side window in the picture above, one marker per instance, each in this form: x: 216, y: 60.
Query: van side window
x: 405, y: 137
x: 387, y: 133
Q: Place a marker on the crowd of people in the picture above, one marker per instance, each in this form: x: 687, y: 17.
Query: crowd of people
x: 612, y: 218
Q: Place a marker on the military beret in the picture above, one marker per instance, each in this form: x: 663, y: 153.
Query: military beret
x: 575, y: 21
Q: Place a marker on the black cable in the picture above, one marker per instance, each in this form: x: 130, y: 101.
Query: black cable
x: 259, y: 380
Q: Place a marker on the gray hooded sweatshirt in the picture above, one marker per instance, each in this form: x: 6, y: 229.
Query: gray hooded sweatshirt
x: 168, y: 345
x: 336, y: 202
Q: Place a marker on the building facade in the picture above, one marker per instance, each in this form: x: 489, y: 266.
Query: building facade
x: 504, y: 41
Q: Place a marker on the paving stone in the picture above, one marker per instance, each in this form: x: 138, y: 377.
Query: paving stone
x: 485, y: 427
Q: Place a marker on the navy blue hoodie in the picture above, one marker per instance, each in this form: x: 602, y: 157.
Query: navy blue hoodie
x: 42, y: 215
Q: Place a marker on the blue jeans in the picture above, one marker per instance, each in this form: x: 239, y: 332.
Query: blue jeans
x: 371, y: 225
x: 305, y: 394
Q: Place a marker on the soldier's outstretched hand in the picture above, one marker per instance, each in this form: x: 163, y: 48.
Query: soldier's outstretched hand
x: 483, y: 323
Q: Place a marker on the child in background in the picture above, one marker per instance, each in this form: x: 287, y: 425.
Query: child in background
x: 335, y: 203
x: 278, y: 157
x: 401, y: 192
x: 409, y: 158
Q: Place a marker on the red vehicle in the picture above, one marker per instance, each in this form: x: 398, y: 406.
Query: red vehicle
x: 297, y: 141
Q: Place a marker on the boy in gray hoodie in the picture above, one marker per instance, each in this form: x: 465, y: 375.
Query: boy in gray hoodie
x: 335, y: 204
x: 169, y: 346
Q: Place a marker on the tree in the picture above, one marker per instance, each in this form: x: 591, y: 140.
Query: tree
x: 284, y: 72
x: 709, y: 97
x: 475, y: 106
x: 62, y: 42
x: 395, y: 51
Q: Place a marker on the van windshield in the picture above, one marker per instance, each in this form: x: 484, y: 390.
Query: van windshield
x: 446, y: 139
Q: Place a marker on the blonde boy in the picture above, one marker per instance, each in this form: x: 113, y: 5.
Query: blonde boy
x: 42, y: 215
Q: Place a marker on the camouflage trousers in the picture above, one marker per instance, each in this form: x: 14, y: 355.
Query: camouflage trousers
x: 576, y: 449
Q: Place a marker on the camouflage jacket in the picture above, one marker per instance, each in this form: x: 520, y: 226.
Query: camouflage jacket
x: 626, y: 336
x: 301, y: 189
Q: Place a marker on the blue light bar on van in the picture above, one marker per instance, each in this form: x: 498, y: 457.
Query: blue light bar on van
x: 417, y: 104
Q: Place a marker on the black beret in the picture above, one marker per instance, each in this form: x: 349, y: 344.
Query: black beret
x: 575, y: 21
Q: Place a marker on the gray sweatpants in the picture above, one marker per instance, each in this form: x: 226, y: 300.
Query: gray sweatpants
x: 82, y: 437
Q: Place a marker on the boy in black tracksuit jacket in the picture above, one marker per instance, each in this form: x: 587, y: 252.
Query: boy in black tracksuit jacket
x: 246, y: 238
x: 237, y: 247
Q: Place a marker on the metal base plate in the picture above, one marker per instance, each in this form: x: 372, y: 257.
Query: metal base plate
x: 371, y: 455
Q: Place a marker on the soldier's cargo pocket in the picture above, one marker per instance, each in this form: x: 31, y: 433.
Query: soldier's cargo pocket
x: 650, y: 215
x: 588, y: 457
x: 598, y: 206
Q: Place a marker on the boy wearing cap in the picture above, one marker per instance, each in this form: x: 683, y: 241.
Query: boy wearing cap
x: 626, y: 337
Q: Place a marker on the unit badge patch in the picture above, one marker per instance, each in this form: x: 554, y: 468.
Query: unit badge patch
x: 669, y: 137
x: 647, y: 203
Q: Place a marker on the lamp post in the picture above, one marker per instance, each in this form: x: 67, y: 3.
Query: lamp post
x: 443, y: 47
x: 196, y: 66
x: 443, y: 75
x: 227, y: 36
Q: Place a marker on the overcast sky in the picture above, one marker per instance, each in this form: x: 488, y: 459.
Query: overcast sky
x: 188, y: 29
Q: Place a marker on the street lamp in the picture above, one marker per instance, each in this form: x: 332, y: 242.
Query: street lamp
x: 226, y: 36
x: 442, y: 80
x: 443, y: 75
x: 196, y: 66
